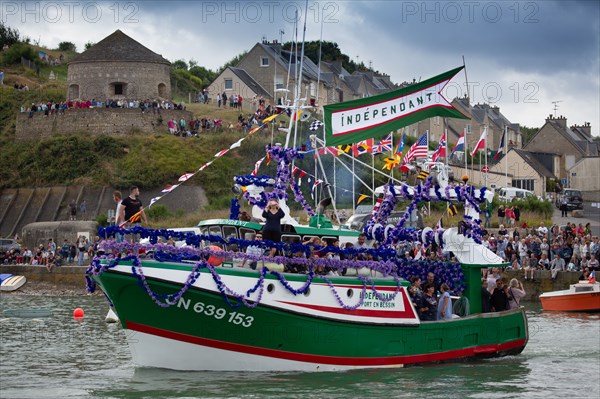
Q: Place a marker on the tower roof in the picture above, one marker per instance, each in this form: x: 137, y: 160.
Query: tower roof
x: 119, y: 47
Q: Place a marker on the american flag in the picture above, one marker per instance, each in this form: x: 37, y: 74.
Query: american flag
x: 384, y: 145
x: 315, y: 125
x: 418, y: 149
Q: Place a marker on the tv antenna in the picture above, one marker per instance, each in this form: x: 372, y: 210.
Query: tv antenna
x: 556, y: 106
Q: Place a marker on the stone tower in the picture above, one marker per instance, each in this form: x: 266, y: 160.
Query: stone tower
x: 118, y: 67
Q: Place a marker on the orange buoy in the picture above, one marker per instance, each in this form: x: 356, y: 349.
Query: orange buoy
x: 214, y: 260
x: 78, y: 313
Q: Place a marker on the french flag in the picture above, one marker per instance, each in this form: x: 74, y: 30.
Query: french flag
x: 460, y: 144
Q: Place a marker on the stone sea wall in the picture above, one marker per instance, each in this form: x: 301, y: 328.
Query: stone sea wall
x: 117, y: 121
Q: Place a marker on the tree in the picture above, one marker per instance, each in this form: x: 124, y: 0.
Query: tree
x: 88, y: 45
x: 528, y: 133
x: 206, y: 75
x: 179, y: 64
x: 8, y: 35
x: 232, y: 62
x: 67, y: 46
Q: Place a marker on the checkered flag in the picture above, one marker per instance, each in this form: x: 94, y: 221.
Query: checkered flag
x: 315, y: 125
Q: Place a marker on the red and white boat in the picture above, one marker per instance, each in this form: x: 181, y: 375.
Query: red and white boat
x: 581, y: 297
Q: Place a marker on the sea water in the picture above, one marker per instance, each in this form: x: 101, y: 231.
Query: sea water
x: 60, y: 357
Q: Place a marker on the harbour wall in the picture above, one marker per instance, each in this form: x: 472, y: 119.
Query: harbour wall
x: 111, y: 121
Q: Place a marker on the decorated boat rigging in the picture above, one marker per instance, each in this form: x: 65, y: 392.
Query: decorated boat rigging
x: 313, y: 306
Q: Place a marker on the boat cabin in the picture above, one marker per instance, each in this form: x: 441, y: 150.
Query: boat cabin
x: 227, y: 228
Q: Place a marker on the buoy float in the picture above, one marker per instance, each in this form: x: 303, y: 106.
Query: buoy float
x: 212, y: 259
x: 78, y: 313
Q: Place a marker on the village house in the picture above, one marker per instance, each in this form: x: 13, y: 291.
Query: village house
x: 268, y: 68
x: 577, y: 153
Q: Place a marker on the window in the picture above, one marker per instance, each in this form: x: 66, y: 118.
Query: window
x: 230, y: 231
x: 228, y: 84
x: 279, y: 82
x: 264, y: 61
x: 118, y: 89
x: 526, y: 184
x: 244, y: 231
x: 312, y: 89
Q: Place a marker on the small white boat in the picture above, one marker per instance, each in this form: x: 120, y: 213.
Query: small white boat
x: 12, y: 283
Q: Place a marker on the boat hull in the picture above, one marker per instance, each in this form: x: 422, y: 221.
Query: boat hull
x: 202, y: 332
x: 572, y: 302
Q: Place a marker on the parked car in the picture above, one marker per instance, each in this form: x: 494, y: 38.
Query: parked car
x: 574, y: 199
x: 6, y: 244
x: 511, y: 193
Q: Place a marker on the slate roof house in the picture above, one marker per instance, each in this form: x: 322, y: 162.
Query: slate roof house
x: 270, y: 68
x: 118, y: 67
x: 576, y: 151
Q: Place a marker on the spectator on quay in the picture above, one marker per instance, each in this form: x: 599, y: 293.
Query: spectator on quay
x: 73, y: 209
x: 517, y: 214
x: 510, y: 216
x: 557, y: 265
x: 501, y: 214
x: 81, y: 248
x: 574, y: 263
x: 515, y: 263
x: 72, y: 252
x: 564, y: 206
x: 83, y: 209
x: 64, y: 249
x: 27, y: 256
x: 593, y: 263
x: 224, y: 98
x: 544, y: 262
x: 530, y: 267
x: 218, y: 100
x: 522, y: 249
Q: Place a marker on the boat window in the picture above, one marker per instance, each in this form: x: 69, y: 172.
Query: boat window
x: 583, y: 289
x: 289, y: 239
x: 244, y: 231
x: 230, y: 231
x: 307, y: 237
x: 204, y: 232
x: 329, y: 240
x: 215, y: 231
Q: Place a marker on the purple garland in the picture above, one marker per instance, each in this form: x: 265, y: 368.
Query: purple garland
x: 300, y: 198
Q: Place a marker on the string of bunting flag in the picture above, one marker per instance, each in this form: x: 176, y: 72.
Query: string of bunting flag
x: 186, y: 176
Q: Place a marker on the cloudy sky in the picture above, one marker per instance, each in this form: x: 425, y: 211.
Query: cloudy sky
x: 520, y: 56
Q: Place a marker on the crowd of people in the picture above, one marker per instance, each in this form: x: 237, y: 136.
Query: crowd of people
x: 52, y: 254
x: 558, y: 248
x: 59, y: 108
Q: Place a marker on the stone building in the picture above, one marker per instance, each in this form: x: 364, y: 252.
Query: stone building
x: 118, y: 67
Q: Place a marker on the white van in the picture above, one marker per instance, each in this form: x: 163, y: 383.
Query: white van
x: 510, y: 193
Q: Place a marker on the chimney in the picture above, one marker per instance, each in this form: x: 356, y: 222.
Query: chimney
x: 560, y: 120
